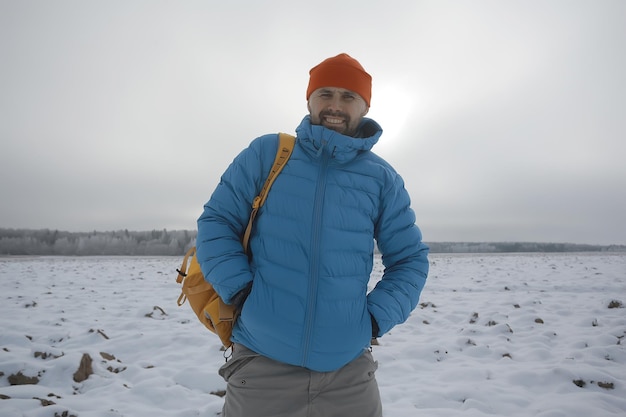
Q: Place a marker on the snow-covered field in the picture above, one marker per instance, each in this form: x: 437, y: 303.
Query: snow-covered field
x: 494, y: 335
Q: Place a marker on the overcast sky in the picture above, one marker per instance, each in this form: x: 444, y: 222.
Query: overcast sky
x: 506, y: 118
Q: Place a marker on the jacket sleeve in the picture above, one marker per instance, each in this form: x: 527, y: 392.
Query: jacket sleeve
x: 223, y: 221
x: 404, y: 256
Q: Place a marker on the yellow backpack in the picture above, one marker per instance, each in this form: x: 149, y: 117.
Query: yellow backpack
x: 216, y: 315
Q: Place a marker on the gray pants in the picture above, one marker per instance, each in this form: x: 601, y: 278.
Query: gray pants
x: 261, y: 387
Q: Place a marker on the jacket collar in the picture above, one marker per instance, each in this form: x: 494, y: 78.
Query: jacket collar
x: 317, y: 139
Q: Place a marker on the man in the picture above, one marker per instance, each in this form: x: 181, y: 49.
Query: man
x: 301, y: 343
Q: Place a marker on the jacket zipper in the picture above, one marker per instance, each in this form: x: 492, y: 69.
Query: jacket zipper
x: 315, y: 253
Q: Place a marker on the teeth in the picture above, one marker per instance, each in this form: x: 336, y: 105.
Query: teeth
x: 333, y: 120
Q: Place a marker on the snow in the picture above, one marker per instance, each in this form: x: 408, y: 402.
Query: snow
x: 494, y: 335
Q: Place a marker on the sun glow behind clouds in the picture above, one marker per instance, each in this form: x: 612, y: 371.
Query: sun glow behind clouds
x: 391, y: 107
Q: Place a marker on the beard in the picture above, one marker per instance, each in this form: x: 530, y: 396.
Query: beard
x: 344, y: 128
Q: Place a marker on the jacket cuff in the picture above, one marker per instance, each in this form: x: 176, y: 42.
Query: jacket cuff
x: 240, y: 297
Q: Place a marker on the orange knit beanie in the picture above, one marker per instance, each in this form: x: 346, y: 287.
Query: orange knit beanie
x: 341, y: 71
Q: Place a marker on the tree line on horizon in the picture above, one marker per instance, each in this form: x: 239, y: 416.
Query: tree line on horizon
x: 46, y: 242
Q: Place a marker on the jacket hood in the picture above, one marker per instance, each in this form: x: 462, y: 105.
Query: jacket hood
x: 317, y: 139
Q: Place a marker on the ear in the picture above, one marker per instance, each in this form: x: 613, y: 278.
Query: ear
x: 308, y: 106
x: 367, y: 109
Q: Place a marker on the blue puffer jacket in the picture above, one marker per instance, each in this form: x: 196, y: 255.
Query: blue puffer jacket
x: 312, y: 246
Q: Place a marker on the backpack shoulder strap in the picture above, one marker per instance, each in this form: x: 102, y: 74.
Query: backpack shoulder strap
x: 286, y: 144
x: 285, y: 147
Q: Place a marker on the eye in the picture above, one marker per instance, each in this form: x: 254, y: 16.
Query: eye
x: 349, y: 97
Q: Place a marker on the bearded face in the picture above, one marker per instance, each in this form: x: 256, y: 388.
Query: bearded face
x: 337, y: 108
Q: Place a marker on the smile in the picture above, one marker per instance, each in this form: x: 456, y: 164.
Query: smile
x: 333, y: 120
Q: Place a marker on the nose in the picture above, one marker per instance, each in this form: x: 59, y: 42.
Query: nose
x: 334, y: 104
